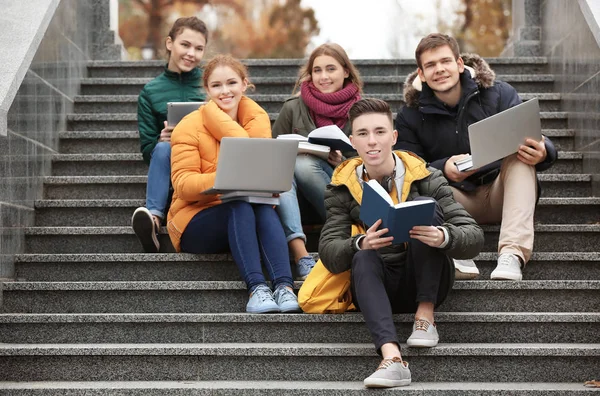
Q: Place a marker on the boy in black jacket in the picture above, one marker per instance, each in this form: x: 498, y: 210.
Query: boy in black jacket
x: 443, y: 97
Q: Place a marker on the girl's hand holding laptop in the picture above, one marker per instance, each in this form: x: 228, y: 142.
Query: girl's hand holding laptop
x: 165, y: 134
x: 451, y: 171
x: 532, y: 152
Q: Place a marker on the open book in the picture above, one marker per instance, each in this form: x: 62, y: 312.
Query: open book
x: 304, y: 147
x: 398, y: 219
x: 331, y: 136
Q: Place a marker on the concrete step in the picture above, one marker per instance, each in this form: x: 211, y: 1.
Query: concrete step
x: 128, y: 122
x: 291, y: 388
x: 134, y: 187
x: 486, y: 327
x: 290, y: 67
x: 271, y: 103
x: 303, y: 362
x: 98, y: 142
x: 548, y: 238
x: 231, y: 296
x: 387, y: 84
x: 117, y: 212
x: 51, y: 267
x: 130, y: 164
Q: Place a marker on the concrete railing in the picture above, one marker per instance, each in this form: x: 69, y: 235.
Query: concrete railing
x: 571, y: 42
x: 44, y: 51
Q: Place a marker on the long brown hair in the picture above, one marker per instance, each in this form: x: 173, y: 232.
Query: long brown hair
x: 339, y: 54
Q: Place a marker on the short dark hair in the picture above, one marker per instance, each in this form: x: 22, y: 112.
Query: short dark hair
x: 368, y: 106
x: 433, y: 41
x: 187, y: 22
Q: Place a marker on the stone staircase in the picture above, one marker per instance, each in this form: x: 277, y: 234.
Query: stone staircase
x: 89, y: 314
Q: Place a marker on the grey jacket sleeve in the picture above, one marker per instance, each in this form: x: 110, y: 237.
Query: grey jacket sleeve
x: 337, y: 244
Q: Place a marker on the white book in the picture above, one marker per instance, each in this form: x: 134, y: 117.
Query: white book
x: 304, y: 147
x: 331, y: 136
x: 464, y: 164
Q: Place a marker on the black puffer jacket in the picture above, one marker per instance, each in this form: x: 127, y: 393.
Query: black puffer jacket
x: 429, y: 129
x: 344, y: 196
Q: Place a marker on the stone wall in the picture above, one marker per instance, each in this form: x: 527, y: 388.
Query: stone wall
x: 571, y: 41
x: 45, y: 49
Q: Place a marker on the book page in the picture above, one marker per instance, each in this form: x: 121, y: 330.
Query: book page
x: 293, y: 136
x: 411, y: 203
x: 381, y: 191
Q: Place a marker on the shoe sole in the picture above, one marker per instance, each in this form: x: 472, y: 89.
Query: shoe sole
x: 422, y: 343
x: 501, y: 275
x: 383, y: 383
x: 143, y: 226
x: 295, y: 308
x: 262, y: 311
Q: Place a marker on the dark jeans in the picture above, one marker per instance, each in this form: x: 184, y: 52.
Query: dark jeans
x: 382, y: 289
x: 251, y: 232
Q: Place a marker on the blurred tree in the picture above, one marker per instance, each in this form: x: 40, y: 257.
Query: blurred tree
x: 485, y: 26
x: 244, y: 28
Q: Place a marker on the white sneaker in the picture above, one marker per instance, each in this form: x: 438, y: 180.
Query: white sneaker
x: 390, y: 373
x: 465, y: 269
x: 424, y: 335
x: 508, y: 268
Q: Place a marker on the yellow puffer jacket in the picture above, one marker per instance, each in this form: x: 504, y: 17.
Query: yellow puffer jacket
x: 195, y: 144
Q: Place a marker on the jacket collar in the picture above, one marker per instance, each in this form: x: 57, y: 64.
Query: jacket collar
x: 194, y: 74
x: 477, y: 74
x: 345, y: 174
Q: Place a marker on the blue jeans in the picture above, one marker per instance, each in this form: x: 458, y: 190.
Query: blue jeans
x: 159, y: 179
x: 251, y: 232
x: 311, y: 176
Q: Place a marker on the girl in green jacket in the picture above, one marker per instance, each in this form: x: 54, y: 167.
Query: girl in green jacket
x: 180, y: 82
x: 329, y: 85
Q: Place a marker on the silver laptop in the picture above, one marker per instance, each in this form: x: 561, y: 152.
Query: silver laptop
x: 255, y: 165
x: 177, y: 110
x: 501, y: 134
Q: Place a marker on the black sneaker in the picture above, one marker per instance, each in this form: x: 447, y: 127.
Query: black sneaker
x: 145, y: 229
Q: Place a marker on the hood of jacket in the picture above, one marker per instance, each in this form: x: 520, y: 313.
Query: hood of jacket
x: 345, y: 174
x: 479, y: 69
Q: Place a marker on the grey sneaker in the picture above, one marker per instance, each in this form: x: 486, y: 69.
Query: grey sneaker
x: 508, y: 268
x: 304, y: 266
x: 424, y: 335
x: 286, y: 299
x: 262, y: 301
x: 390, y: 373
x: 465, y: 269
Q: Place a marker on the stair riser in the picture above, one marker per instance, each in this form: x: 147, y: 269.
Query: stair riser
x: 166, y: 333
x: 302, y: 368
x: 99, y: 146
x: 376, y: 87
x: 292, y: 70
x: 226, y: 271
x: 128, y: 243
x: 139, y: 168
x: 215, y: 301
x: 138, y: 190
x: 121, y: 216
x: 559, y: 123
x: 269, y: 106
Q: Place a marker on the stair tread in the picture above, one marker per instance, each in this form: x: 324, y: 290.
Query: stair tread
x: 297, y: 349
x: 350, y: 317
x: 291, y: 385
x: 240, y: 285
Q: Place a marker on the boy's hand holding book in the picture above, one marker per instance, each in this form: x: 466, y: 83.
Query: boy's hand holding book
x: 373, y: 239
x: 429, y: 235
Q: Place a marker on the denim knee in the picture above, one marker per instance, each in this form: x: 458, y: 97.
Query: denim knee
x: 161, y: 152
x: 364, y: 261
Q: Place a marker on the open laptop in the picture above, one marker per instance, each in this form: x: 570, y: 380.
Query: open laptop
x: 501, y: 134
x: 177, y: 110
x: 255, y: 165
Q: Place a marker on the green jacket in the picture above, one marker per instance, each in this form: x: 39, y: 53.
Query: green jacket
x: 152, y: 103
x: 342, y: 202
x: 294, y: 117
